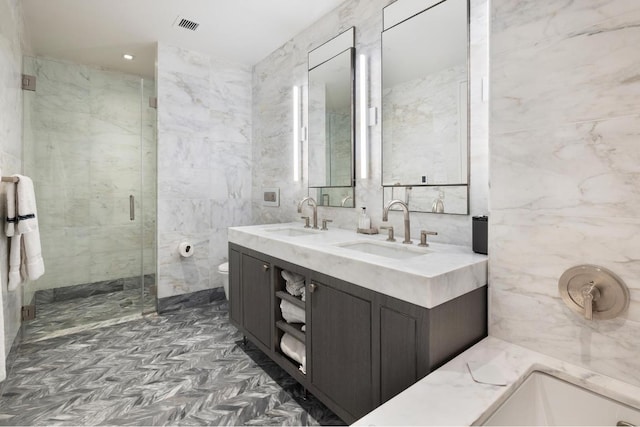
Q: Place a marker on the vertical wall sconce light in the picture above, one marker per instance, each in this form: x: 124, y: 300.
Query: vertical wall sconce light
x: 364, y: 109
x: 296, y: 133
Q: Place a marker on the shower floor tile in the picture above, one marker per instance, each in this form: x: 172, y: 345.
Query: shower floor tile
x: 182, y: 368
x: 88, y: 312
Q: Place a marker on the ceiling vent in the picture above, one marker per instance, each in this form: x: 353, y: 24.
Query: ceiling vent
x: 186, y: 23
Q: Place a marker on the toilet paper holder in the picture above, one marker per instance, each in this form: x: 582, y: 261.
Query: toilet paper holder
x: 185, y: 249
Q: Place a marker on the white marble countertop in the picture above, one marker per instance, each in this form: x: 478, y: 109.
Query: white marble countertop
x: 444, y: 272
x: 449, y: 396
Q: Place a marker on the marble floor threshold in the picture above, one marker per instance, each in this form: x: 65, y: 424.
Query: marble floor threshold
x: 182, y: 368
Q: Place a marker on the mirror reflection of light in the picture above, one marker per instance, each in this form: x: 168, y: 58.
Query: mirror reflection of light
x: 363, y: 118
x: 296, y: 133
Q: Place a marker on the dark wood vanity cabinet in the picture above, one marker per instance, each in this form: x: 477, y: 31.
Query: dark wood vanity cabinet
x: 341, y: 355
x: 250, y: 296
x: 362, y: 347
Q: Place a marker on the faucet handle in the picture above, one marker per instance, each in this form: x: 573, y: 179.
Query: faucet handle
x: 590, y: 294
x: 423, y: 237
x: 390, y: 238
x: 306, y: 221
x: 324, y: 223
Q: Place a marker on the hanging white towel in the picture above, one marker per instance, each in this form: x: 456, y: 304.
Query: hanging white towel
x: 25, y: 244
x: 26, y: 202
x: 15, y: 243
x: 12, y: 218
x: 28, y: 226
x: 15, y: 262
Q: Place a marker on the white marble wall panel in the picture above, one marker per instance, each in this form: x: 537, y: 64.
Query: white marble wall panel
x: 83, y: 136
x: 204, y: 164
x: 11, y: 48
x: 610, y: 77
x: 273, y: 79
x: 564, y: 174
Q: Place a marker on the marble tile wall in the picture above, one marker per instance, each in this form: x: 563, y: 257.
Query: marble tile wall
x: 273, y: 79
x: 83, y: 133
x: 565, y: 174
x: 204, y: 164
x: 11, y: 49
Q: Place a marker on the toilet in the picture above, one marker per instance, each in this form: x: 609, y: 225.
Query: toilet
x: 223, y: 269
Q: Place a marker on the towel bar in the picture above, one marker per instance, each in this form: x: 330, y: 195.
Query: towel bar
x: 10, y: 179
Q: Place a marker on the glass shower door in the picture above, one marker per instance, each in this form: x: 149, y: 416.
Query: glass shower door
x: 87, y: 135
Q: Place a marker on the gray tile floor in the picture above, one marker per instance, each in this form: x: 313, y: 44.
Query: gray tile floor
x: 182, y: 368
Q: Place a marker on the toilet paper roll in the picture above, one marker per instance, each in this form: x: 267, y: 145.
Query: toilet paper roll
x: 185, y: 249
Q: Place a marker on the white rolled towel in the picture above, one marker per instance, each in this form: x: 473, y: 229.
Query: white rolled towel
x: 292, y: 313
x: 293, y: 282
x: 295, y: 349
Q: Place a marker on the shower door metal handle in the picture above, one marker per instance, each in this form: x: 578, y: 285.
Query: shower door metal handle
x: 132, y: 207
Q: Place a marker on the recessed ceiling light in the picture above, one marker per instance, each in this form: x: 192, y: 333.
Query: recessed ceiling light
x: 128, y: 56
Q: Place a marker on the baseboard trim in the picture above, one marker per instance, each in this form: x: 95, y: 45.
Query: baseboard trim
x: 193, y: 299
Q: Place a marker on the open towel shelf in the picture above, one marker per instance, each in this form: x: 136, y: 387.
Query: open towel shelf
x: 292, y: 328
x: 288, y: 297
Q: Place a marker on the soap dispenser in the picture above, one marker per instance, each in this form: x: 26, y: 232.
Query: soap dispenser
x: 364, y: 222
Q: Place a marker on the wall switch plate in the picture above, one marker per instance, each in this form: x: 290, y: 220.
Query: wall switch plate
x: 271, y: 196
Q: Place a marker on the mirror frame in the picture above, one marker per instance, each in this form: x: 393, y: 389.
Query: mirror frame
x: 330, y: 49
x: 392, y: 17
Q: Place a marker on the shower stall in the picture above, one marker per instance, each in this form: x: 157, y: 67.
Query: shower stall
x: 89, y: 141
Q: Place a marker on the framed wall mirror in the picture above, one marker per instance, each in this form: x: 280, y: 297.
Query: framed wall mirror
x: 331, y: 122
x: 425, y: 99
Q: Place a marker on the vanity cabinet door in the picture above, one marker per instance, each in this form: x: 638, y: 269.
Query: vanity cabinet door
x: 341, y: 350
x: 403, y: 345
x: 256, y: 296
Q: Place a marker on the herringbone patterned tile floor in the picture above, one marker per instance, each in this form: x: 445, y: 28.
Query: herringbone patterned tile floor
x: 182, y: 368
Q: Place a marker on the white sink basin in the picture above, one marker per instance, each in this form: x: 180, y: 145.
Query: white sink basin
x: 389, y: 250
x: 292, y: 231
x: 544, y: 400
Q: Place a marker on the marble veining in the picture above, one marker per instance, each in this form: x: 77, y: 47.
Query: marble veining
x: 450, y: 396
x: 85, y: 132
x: 183, y: 368
x: 564, y: 174
x: 445, y: 272
x: 204, y: 158
x: 193, y: 299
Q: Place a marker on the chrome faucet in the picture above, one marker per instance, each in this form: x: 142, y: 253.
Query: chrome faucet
x: 405, y: 208
x: 314, y: 205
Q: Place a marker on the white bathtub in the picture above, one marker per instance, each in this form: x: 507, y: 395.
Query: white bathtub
x: 544, y: 400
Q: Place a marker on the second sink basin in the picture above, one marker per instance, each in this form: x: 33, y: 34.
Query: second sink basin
x: 291, y: 231
x: 389, y: 250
